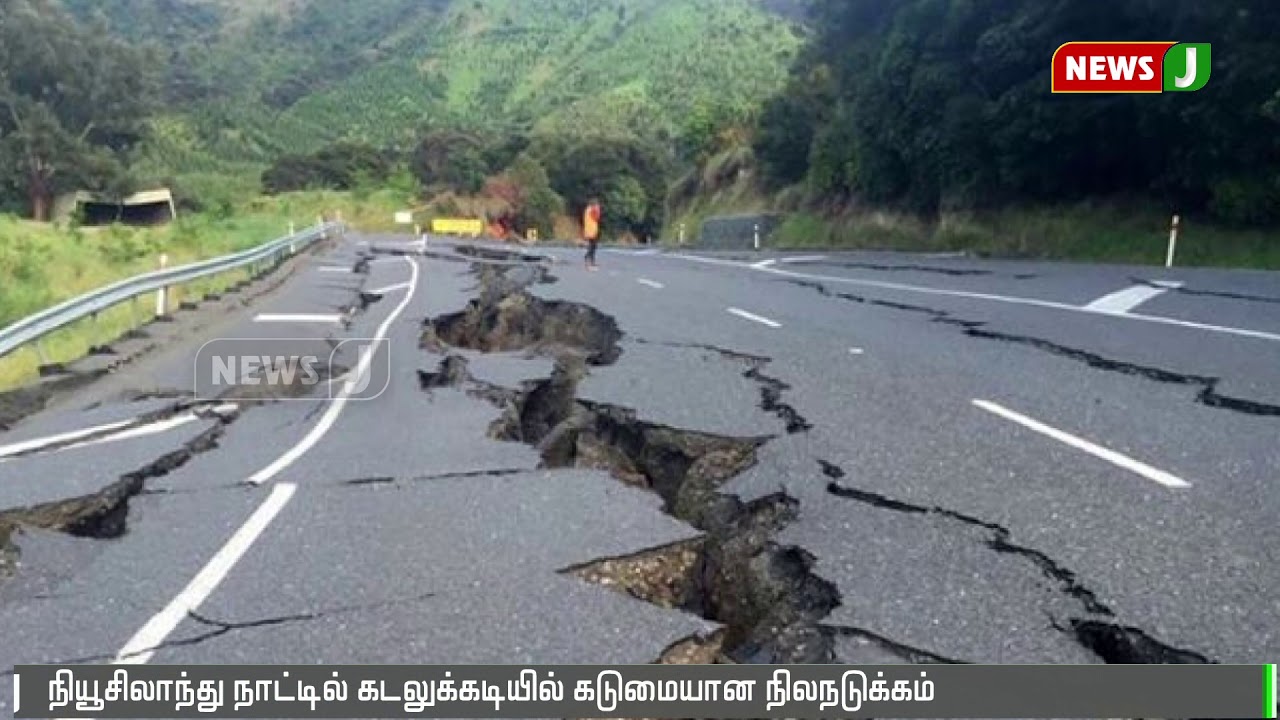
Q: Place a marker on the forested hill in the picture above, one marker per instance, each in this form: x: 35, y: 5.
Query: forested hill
x: 937, y: 105
x: 252, y: 80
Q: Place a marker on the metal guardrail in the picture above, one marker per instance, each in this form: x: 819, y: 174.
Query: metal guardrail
x: 36, y: 326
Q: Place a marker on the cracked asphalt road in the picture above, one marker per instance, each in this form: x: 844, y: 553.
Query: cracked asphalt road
x: 813, y: 420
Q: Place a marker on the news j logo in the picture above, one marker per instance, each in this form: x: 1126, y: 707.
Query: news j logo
x: 1131, y: 67
x: 248, y: 369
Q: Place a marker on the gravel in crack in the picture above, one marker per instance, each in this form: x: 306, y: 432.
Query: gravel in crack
x: 766, y: 596
x: 662, y: 576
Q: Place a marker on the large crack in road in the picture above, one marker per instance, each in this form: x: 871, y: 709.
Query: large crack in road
x: 1095, y: 627
x: 103, y: 515
x: 764, y: 595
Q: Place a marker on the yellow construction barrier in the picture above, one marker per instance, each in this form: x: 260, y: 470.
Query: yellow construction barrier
x: 458, y: 227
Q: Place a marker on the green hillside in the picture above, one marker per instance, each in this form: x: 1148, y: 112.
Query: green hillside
x: 249, y: 80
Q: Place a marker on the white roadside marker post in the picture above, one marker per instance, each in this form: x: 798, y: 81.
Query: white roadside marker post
x: 162, y: 299
x: 1173, y: 242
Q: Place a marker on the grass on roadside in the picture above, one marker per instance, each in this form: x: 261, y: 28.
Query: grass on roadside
x: 1082, y: 234
x: 44, y: 264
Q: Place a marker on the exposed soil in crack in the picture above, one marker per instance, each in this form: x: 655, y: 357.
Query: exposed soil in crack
x: 765, y: 595
x: 696, y: 650
x: 517, y: 320
x: 18, y: 403
x: 102, y: 515
x: 659, y: 576
x: 453, y: 372
x: 1207, y: 395
x: 1095, y: 628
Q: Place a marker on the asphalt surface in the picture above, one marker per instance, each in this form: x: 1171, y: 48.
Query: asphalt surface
x: 982, y: 465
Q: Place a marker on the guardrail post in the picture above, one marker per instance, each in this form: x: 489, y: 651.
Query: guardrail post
x: 162, y: 295
x: 95, y: 340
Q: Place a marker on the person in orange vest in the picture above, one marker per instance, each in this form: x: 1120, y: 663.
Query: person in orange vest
x: 591, y: 231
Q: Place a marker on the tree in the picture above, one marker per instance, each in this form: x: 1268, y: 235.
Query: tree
x: 539, y: 203
x: 583, y: 168
x: 943, y: 104
x: 341, y: 166
x: 451, y: 159
x: 73, y: 102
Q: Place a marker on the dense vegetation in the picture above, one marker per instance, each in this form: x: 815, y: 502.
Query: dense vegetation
x: 932, y: 117
x: 292, y: 78
x: 72, y: 103
x: 932, y: 106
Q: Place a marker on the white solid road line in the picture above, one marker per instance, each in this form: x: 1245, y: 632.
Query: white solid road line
x: 1130, y: 298
x: 144, y: 643
x: 708, y: 260
x: 38, y: 443
x: 1123, y: 461
x: 390, y: 288
x: 1032, y: 302
x: 754, y: 318
x: 143, y: 431
x: 856, y: 351
x: 297, y: 318
x: 103, y: 434
x: 651, y: 283
x: 802, y: 259
x: 334, y: 269
x: 344, y: 395
x: 764, y: 264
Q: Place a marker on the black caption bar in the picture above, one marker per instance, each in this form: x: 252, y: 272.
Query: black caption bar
x: 584, y: 691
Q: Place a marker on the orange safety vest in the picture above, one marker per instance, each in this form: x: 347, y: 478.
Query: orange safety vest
x: 591, y: 222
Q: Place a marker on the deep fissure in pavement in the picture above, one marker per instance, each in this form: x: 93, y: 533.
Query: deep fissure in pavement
x: 102, y: 515
x: 1207, y: 395
x: 765, y: 595
x: 517, y: 320
x: 1096, y: 628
